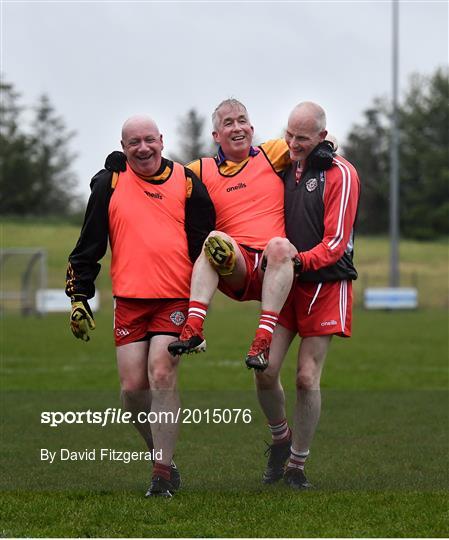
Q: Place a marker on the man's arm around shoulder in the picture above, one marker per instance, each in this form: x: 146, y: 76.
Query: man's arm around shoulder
x: 200, y: 215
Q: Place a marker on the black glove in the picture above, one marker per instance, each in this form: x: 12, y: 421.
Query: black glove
x: 81, y: 318
x: 297, y: 265
x: 115, y: 162
x: 321, y: 156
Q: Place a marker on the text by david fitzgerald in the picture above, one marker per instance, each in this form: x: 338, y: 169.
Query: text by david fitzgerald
x: 99, y: 454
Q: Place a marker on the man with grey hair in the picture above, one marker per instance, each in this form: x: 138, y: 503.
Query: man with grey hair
x: 148, y: 210
x: 320, y: 211
x: 245, y: 185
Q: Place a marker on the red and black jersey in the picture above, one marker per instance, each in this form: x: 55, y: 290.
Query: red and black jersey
x: 320, y: 211
x: 154, y: 226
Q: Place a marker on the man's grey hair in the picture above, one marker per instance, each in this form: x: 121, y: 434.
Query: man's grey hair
x: 314, y: 109
x: 231, y: 102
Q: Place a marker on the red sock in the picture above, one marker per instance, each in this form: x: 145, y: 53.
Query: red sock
x: 297, y: 459
x: 280, y: 432
x: 267, y: 322
x: 162, y: 470
x: 196, y: 315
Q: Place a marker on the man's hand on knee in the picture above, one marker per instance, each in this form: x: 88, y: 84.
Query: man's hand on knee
x: 81, y: 318
x: 296, y: 261
x: 221, y: 255
x: 297, y: 264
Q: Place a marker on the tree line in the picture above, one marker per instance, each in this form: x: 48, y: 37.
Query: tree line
x: 424, y: 160
x: 37, y: 177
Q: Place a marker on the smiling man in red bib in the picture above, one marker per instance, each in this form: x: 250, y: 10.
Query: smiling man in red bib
x: 156, y: 214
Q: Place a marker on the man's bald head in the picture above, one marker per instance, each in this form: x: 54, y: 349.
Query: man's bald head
x: 306, y: 129
x: 142, y: 145
x: 309, y: 112
x: 138, y: 121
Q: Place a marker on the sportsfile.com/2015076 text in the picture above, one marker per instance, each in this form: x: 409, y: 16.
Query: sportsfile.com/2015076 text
x: 112, y: 415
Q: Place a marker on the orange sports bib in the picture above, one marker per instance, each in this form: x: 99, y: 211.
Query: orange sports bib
x: 148, y: 241
x: 250, y: 204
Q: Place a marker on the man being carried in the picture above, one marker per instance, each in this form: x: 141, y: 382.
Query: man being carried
x: 245, y: 185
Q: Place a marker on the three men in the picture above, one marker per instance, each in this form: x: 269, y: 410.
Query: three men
x: 248, y: 257
x: 150, y: 210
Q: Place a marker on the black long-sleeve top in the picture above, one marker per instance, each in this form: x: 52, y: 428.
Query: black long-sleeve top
x: 84, y: 266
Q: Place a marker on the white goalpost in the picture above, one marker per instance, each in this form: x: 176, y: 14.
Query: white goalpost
x: 23, y: 271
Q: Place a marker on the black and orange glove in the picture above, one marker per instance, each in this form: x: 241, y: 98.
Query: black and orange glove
x: 220, y: 254
x: 81, y: 318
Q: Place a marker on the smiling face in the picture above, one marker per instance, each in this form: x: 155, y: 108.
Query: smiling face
x: 233, y: 131
x: 142, y: 145
x: 305, y: 129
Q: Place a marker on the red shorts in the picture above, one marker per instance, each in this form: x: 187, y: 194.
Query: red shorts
x: 319, y: 309
x: 140, y: 319
x: 252, y: 288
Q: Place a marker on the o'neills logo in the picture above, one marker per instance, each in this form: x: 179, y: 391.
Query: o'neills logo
x: 153, y: 195
x: 238, y: 186
x: 329, y: 323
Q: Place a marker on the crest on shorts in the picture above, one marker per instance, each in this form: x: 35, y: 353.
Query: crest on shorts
x: 311, y: 184
x: 177, y: 317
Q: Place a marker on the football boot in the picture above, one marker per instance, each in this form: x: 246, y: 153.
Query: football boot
x: 160, y: 487
x: 257, y: 357
x: 278, y: 455
x: 296, y: 479
x: 175, y: 477
x: 190, y: 341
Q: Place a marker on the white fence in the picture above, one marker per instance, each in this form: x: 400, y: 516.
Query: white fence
x: 390, y: 298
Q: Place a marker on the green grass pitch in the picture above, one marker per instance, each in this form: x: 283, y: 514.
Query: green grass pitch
x: 379, y: 459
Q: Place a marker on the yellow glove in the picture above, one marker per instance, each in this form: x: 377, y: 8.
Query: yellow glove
x: 81, y: 318
x: 220, y: 254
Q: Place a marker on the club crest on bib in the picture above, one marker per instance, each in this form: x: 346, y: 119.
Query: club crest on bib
x: 311, y: 184
x: 177, y: 317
